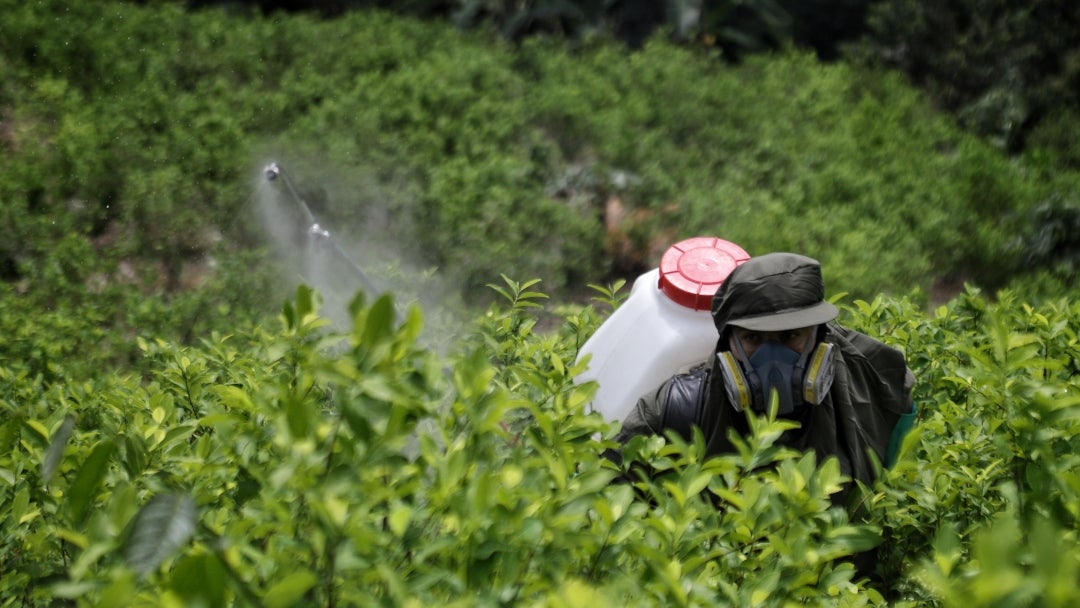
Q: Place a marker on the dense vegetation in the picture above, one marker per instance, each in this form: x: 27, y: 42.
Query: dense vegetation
x: 287, y: 466
x: 159, y: 426
x: 138, y: 132
x: 1007, y: 69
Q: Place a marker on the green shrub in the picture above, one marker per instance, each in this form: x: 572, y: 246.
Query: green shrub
x: 302, y: 466
x: 140, y: 127
x: 272, y: 471
x: 1000, y: 67
x: 993, y: 453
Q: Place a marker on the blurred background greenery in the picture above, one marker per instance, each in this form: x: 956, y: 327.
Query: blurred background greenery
x: 911, y: 146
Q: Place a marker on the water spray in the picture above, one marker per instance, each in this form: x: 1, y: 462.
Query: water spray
x: 316, y: 233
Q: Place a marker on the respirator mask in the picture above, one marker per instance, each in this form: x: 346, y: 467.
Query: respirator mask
x: 798, y: 379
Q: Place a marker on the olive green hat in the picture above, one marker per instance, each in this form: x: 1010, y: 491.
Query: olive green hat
x: 773, y: 292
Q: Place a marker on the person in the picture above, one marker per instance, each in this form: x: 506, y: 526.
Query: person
x: 850, y: 393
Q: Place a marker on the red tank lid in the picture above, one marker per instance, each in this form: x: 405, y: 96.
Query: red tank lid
x: 692, y: 270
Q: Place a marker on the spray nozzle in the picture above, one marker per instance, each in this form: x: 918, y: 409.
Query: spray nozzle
x: 272, y: 171
x: 318, y: 231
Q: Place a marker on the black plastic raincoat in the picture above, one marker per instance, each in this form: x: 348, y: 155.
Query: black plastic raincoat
x: 866, y: 410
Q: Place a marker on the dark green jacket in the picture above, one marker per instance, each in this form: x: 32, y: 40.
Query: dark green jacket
x: 869, y: 400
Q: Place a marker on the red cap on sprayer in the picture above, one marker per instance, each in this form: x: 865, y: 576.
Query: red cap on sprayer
x: 692, y: 270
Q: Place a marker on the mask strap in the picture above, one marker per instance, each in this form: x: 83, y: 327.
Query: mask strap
x: 800, y: 367
x: 738, y: 348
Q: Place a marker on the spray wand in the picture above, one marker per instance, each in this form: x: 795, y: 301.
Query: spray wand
x: 317, y: 233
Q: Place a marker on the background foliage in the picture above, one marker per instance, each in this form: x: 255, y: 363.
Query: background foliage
x: 1005, y: 68
x: 136, y: 134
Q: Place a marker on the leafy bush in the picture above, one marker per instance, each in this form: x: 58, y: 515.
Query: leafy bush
x: 986, y: 474
x: 138, y: 129
x: 1000, y: 67
x: 299, y: 466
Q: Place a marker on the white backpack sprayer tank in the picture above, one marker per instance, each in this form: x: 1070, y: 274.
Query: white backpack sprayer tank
x: 663, y: 328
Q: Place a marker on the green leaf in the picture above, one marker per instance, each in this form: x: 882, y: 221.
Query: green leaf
x: 288, y: 315
x: 947, y: 548
x: 83, y: 490
x: 9, y: 434
x: 855, y: 538
x: 290, y: 589
x: 134, y: 456
x: 71, y: 589
x: 161, y: 527
x: 234, y: 398
x: 305, y: 302
x: 379, y: 322
x: 398, y: 520
x: 119, y: 592
x: 358, y: 422
x: 55, y: 453
x: 299, y: 416
x: 199, y: 580
x: 20, y: 504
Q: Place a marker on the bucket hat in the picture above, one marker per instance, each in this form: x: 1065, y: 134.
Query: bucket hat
x: 773, y: 292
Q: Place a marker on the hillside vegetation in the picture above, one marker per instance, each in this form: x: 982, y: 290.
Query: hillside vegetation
x: 136, y: 134
x: 182, y: 424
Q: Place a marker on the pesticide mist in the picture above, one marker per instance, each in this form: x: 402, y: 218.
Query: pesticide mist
x: 366, y: 254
